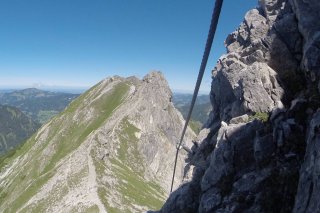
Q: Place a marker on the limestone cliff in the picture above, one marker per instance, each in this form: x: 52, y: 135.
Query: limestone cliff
x: 261, y: 149
x: 109, y: 151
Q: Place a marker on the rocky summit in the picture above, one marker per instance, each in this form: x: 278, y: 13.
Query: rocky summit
x: 111, y: 150
x: 260, y: 150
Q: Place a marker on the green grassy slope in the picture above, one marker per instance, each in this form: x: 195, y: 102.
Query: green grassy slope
x: 65, y: 133
x: 120, y: 179
x: 128, y: 170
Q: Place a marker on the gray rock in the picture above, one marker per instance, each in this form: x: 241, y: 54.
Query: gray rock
x: 264, y: 147
x: 210, y: 200
x: 202, y: 134
x: 239, y: 89
x: 307, y: 199
x: 251, y: 181
x: 185, y: 199
x: 277, y: 114
x: 271, y: 9
x: 271, y: 65
x: 307, y: 13
x: 240, y: 119
x: 227, y: 156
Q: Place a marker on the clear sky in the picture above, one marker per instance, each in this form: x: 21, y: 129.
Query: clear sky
x: 77, y: 43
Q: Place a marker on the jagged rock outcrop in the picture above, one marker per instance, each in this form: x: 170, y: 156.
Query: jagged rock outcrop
x: 110, y: 150
x: 262, y: 151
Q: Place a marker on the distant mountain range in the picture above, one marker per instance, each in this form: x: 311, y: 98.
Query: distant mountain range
x: 38, y: 104
x: 23, y: 111
x: 42, y: 105
x: 15, y: 127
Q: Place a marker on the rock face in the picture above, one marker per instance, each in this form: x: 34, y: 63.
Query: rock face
x: 109, y: 151
x: 307, y: 199
x: 262, y: 150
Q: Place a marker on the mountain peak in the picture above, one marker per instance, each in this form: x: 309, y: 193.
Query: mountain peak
x: 154, y: 75
x: 112, y: 148
x: 155, y: 79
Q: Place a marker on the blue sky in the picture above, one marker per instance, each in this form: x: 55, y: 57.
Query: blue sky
x: 76, y: 43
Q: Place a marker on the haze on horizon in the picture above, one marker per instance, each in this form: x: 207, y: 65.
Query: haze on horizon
x: 75, y: 44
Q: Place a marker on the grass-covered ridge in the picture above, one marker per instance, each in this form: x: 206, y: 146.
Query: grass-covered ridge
x: 135, y: 189
x: 129, y: 170
x: 77, y: 133
x: 66, y: 132
x: 128, y: 152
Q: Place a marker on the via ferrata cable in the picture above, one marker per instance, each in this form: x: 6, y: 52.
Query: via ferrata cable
x: 212, y: 31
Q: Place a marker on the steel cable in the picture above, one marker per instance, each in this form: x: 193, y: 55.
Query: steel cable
x: 212, y: 31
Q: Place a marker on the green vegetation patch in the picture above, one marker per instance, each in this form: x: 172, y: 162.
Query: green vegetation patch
x: 15, y: 152
x: 29, y: 191
x: 102, y: 193
x: 59, y: 191
x: 128, y: 152
x: 85, y: 209
x: 92, y: 209
x: 128, y: 169
x: 44, y: 116
x: 135, y: 189
x: 262, y: 116
x: 195, y: 126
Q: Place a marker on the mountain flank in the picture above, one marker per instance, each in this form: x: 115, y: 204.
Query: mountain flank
x: 110, y: 150
x: 15, y: 128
